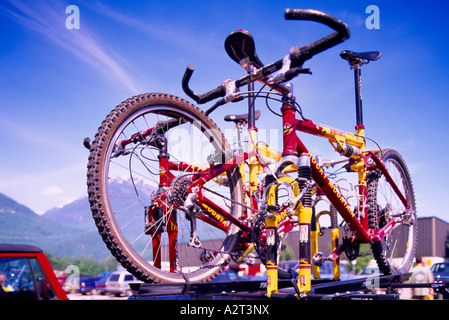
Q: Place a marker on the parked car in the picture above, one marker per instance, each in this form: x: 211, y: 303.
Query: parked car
x: 87, y: 284
x: 100, y: 282
x: 26, y: 274
x: 227, y: 275
x: 93, y: 284
x: 326, y: 269
x: 70, y: 285
x: 118, y: 283
x: 368, y: 271
x: 441, y: 271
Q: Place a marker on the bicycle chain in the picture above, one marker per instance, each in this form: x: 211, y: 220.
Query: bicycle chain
x: 229, y: 199
x: 177, y: 196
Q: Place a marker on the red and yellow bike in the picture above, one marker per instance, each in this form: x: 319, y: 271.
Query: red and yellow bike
x: 175, y: 202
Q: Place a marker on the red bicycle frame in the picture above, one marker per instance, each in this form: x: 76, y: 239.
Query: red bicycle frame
x: 216, y: 216
x: 293, y: 145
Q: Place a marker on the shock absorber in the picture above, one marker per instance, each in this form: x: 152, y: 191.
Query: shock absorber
x: 305, y: 175
x: 335, y: 235
x: 271, y: 236
x: 305, y: 218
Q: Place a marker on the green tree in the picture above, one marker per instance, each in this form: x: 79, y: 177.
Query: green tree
x: 287, y: 254
x: 87, y: 265
x: 58, y: 263
x: 110, y: 264
x: 363, y: 259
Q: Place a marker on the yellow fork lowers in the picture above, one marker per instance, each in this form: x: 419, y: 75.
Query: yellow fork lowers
x: 272, y: 242
x: 305, y: 273
x: 305, y: 220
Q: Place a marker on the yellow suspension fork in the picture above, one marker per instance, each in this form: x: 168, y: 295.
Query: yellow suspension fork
x: 271, y: 263
x: 305, y: 274
x: 305, y: 219
x: 304, y: 211
x: 272, y: 221
x: 335, y: 235
x: 314, y: 233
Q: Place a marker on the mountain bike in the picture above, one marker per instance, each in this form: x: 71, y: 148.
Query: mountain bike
x: 174, y: 201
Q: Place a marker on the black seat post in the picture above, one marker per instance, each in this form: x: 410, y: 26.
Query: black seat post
x: 358, y: 94
x: 241, y: 48
x: 251, y: 102
x: 356, y: 60
x: 249, y: 67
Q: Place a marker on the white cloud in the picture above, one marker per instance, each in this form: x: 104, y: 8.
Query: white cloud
x: 201, y: 42
x: 49, y: 20
x: 31, y: 132
x: 28, y: 187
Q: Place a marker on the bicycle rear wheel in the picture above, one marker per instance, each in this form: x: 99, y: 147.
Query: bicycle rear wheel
x: 125, y: 181
x: 395, y: 253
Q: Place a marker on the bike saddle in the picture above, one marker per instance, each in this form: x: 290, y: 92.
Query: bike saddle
x: 240, y: 45
x: 360, y: 57
x: 240, y: 117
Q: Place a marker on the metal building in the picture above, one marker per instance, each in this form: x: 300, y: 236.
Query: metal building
x: 433, y: 237
x: 433, y: 241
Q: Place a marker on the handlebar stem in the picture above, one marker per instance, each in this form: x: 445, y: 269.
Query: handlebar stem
x: 232, y: 92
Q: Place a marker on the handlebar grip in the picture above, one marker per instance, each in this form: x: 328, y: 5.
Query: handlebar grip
x: 299, y: 55
x: 185, y: 82
x: 220, y: 91
x: 319, y: 16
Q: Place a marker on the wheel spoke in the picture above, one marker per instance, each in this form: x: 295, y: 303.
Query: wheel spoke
x: 395, y: 252
x: 136, y: 182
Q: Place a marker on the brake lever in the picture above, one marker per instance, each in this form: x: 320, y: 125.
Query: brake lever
x: 232, y: 95
x: 215, y: 106
x: 287, y: 73
x: 280, y: 76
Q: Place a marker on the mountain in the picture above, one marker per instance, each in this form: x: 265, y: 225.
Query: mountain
x: 54, y: 234
x: 70, y: 230
x: 67, y: 230
x: 8, y: 205
x: 76, y: 213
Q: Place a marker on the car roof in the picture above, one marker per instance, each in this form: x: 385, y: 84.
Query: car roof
x: 18, y: 248
x: 120, y: 271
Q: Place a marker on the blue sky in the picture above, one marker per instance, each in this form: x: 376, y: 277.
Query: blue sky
x: 58, y: 84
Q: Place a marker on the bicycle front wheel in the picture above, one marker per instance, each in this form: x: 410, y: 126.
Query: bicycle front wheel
x: 395, y: 253
x: 141, y: 165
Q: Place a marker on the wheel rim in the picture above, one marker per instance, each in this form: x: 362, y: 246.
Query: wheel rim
x: 144, y: 172
x: 398, y: 245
